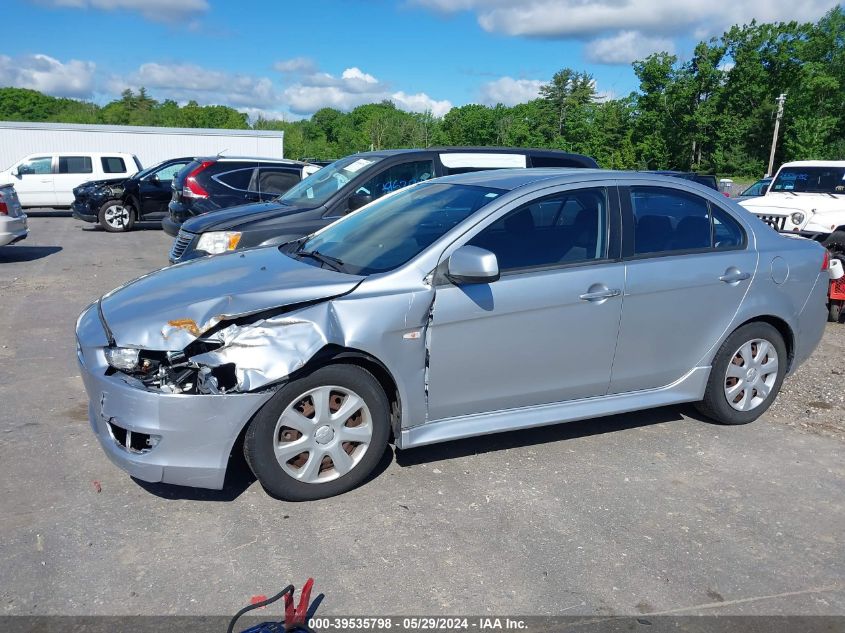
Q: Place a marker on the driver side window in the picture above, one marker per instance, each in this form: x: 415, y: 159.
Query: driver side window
x: 565, y: 228
x: 167, y: 173
x: 36, y: 166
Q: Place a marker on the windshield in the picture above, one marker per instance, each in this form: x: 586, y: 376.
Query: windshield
x: 319, y: 186
x: 810, y: 180
x: 391, y: 231
x: 757, y: 189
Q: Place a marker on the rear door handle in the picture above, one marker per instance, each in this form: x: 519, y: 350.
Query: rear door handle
x: 734, y: 276
x: 600, y: 295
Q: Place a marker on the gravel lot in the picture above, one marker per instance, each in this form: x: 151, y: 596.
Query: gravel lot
x: 653, y: 512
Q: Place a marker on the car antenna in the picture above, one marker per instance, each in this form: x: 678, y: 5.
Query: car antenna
x: 220, y: 153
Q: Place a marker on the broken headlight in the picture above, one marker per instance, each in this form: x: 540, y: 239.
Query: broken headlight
x: 217, y: 242
x: 122, y: 358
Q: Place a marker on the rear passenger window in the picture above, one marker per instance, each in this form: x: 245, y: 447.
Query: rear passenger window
x: 236, y: 179
x: 668, y: 220
x: 75, y: 165
x: 113, y: 165
x: 566, y: 228
x: 726, y: 231
x: 275, y: 180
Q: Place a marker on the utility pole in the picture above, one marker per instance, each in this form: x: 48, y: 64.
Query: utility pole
x: 781, y: 99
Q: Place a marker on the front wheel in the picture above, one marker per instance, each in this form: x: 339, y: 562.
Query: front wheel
x: 746, y: 375
x: 319, y: 435
x: 116, y: 217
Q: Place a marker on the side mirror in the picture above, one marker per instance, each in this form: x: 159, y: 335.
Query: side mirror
x: 358, y: 200
x: 15, y: 171
x: 155, y: 178
x: 472, y: 265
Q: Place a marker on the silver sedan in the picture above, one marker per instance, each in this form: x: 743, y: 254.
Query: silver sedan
x: 466, y: 305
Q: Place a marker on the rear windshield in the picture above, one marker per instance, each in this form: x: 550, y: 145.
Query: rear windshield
x: 810, y: 180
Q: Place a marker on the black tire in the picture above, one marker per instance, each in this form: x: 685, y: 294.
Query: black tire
x: 835, y: 242
x: 259, y: 437
x: 715, y: 404
x: 127, y: 218
x: 834, y: 311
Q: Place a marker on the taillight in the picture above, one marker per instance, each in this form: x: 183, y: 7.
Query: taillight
x: 4, y: 208
x: 826, y: 260
x: 191, y: 188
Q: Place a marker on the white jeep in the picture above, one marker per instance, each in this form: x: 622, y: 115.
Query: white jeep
x: 807, y: 198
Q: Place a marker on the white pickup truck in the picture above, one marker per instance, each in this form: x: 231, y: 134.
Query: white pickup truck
x: 808, y: 198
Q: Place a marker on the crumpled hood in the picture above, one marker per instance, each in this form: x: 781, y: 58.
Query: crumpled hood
x: 169, y: 308
x: 95, y: 184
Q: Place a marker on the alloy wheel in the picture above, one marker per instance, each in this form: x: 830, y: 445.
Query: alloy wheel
x: 117, y: 216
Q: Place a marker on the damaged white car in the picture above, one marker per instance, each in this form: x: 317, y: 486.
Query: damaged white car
x: 471, y: 304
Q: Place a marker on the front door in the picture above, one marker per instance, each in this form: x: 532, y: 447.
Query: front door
x: 34, y: 183
x: 688, y: 269
x: 155, y: 190
x: 546, y: 330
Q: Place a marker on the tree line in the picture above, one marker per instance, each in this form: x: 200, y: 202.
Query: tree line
x: 714, y: 112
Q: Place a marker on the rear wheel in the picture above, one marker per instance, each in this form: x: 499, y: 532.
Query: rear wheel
x: 834, y: 311
x: 116, y: 217
x: 319, y: 435
x: 746, y: 375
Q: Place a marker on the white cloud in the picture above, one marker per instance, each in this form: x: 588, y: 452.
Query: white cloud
x: 509, y: 91
x: 183, y: 82
x: 353, y: 88
x: 155, y: 10
x: 583, y: 18
x: 626, y: 47
x: 73, y: 78
x: 296, y: 65
x: 420, y: 102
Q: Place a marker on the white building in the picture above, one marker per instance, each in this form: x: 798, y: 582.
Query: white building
x: 149, y: 144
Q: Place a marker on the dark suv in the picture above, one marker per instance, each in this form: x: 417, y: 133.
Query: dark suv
x: 116, y: 204
x: 209, y: 184
x: 343, y: 186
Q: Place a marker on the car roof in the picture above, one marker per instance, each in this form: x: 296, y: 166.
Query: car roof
x: 92, y: 154
x: 509, y: 179
x: 815, y: 163
x: 249, y: 159
x: 384, y: 153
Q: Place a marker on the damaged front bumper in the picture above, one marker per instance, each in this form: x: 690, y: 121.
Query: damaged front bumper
x: 155, y: 436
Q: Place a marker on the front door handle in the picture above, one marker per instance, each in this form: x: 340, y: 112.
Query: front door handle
x: 600, y: 295
x: 732, y: 276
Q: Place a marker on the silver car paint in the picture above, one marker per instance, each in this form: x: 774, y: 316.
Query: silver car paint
x: 401, y: 317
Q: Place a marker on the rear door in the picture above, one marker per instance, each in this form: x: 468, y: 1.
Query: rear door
x: 232, y: 183
x: 71, y: 172
x: 688, y: 268
x: 34, y: 182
